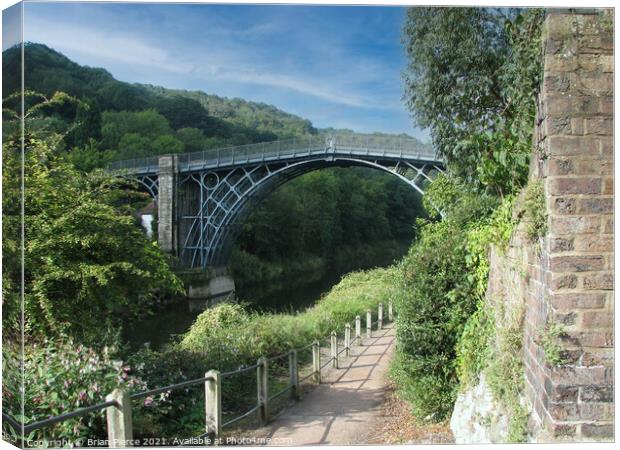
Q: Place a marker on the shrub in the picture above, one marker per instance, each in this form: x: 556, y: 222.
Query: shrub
x: 229, y: 335
x: 433, y: 307
x: 505, y: 369
x: 549, y: 341
x: 535, y: 210
x: 61, y: 375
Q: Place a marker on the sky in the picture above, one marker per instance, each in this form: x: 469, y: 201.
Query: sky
x: 338, y: 66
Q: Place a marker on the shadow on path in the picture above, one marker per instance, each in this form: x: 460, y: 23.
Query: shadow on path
x: 343, y: 408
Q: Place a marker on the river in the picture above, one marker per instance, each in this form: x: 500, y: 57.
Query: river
x: 175, y: 319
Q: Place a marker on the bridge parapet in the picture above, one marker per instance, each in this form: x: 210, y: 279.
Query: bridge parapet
x: 356, y: 145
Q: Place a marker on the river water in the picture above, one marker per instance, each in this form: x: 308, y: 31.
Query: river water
x: 175, y: 319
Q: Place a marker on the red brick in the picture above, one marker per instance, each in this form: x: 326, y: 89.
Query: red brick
x: 597, y: 319
x: 562, y: 430
x: 559, y: 282
x: 557, y: 166
x: 567, y: 319
x: 594, y: 243
x: 556, y: 82
x: 562, y: 225
x: 561, y: 394
x: 604, y: 357
x: 557, y: 244
x: 595, y: 393
x: 597, y: 84
x: 598, y: 125
x: 603, y: 281
x: 597, y: 431
x: 608, y: 186
x: 596, y: 205
x: 571, y: 375
x: 558, y: 125
x: 592, y: 167
x: 564, y: 205
x: 576, y: 263
x: 574, y: 145
x: 582, y: 411
x: 574, y: 185
x: 577, y: 300
x: 606, y: 105
x: 558, y: 104
x: 598, y: 339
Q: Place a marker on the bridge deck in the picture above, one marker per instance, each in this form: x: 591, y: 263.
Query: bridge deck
x: 287, y: 150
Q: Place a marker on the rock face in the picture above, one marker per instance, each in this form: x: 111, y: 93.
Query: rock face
x: 477, y: 418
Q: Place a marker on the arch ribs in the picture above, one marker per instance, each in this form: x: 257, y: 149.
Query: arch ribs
x: 211, y: 190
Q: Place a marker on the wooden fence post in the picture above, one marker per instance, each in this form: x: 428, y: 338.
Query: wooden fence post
x: 390, y: 312
x: 213, y: 403
x: 334, y: 350
x: 369, y: 324
x: 262, y: 390
x: 380, y: 319
x: 316, y: 361
x: 358, y: 330
x: 120, y: 427
x: 292, y: 365
x: 347, y: 339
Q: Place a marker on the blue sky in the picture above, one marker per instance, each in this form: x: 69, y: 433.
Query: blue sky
x: 337, y: 66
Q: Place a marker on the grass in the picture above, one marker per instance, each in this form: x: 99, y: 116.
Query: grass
x: 229, y: 335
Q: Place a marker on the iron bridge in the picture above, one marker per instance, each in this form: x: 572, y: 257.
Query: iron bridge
x: 202, y: 196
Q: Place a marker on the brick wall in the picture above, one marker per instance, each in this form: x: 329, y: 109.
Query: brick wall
x: 569, y: 280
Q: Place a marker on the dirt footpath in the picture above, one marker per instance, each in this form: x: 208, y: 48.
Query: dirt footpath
x: 348, y: 403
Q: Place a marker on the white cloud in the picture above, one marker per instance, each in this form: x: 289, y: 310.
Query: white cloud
x: 105, y: 45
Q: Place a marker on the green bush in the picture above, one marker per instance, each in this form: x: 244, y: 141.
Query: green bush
x: 535, y: 210
x: 229, y: 335
x: 433, y: 307
x: 505, y: 373
x: 473, y: 348
x: 61, y: 375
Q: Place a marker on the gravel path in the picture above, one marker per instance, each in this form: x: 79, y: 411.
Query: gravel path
x: 346, y: 406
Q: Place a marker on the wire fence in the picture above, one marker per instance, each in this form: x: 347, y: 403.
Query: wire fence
x: 118, y: 404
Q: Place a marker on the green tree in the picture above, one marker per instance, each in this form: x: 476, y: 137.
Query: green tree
x: 193, y: 139
x: 148, y: 124
x: 88, y: 266
x: 471, y: 79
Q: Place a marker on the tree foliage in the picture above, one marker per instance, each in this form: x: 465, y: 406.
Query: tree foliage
x: 472, y: 77
x: 88, y: 266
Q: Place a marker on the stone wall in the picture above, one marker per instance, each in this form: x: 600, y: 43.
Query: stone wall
x: 566, y: 277
x: 167, y: 203
x: 570, y: 281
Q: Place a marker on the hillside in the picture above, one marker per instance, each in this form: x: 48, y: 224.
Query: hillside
x: 122, y: 116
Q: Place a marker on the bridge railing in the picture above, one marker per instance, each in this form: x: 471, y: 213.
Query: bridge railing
x: 118, y: 404
x: 288, y: 148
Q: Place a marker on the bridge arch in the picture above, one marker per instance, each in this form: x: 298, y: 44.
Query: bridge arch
x: 220, y: 242
x: 201, y: 195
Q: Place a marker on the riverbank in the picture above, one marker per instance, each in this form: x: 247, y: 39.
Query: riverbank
x: 303, y: 286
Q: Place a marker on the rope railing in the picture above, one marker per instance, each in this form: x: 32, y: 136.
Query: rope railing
x: 241, y: 417
x: 238, y: 371
x: 169, y: 388
x: 118, y: 403
x: 70, y: 415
